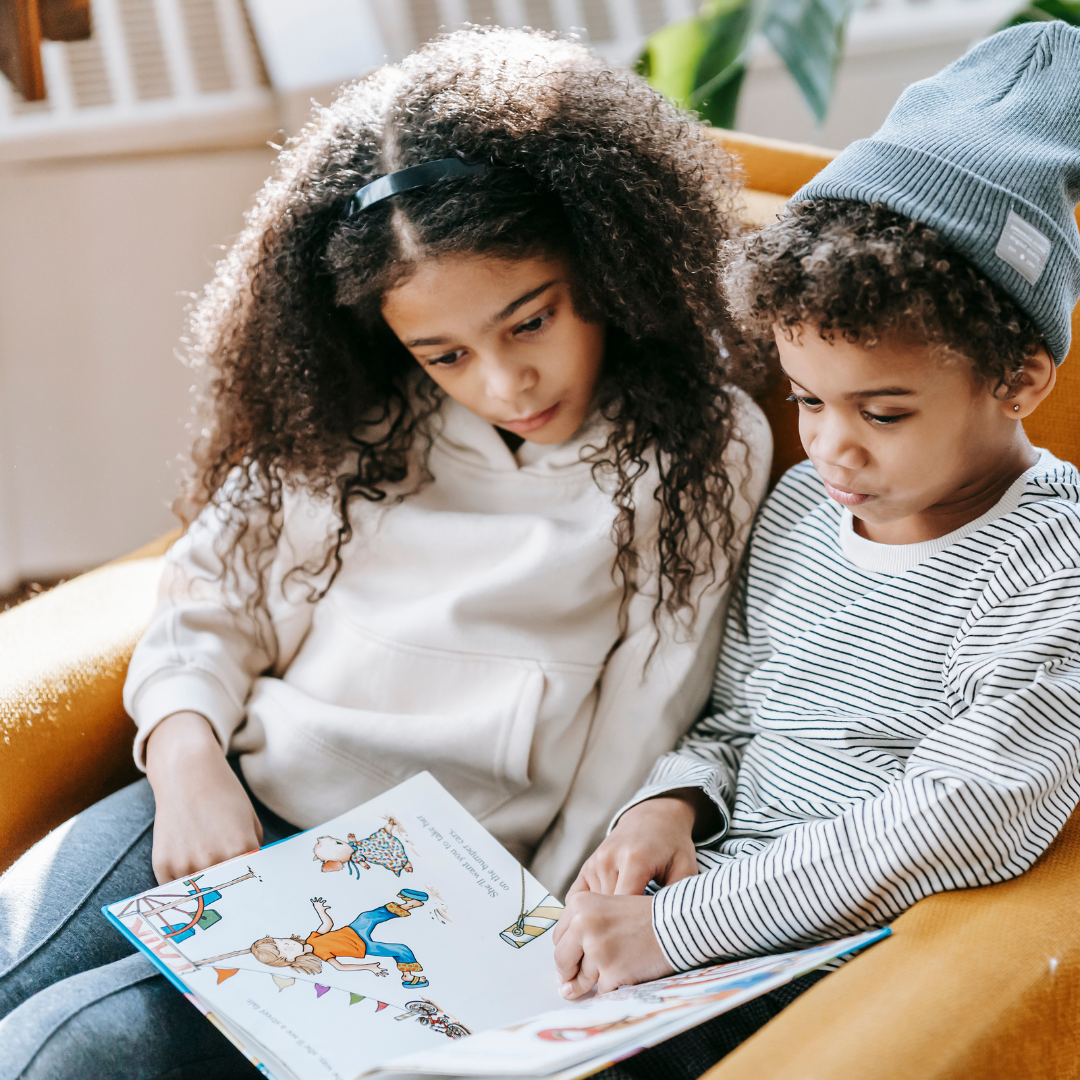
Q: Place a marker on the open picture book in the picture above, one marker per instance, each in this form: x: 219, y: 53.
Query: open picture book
x: 401, y: 940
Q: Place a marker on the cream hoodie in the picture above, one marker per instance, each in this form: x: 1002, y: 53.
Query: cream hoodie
x: 472, y: 630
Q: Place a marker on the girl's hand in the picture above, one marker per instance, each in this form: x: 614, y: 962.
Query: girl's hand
x: 607, y: 942
x: 203, y: 813
x: 652, y: 841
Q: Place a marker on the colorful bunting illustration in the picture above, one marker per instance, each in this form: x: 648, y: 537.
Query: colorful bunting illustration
x: 425, y: 1011
x: 283, y: 982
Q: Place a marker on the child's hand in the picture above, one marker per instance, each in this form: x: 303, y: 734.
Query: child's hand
x: 606, y: 942
x: 203, y: 813
x: 651, y: 841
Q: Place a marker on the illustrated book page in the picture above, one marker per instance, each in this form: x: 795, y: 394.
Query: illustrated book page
x: 398, y: 926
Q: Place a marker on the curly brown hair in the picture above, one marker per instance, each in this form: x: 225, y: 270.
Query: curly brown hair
x: 308, y: 385
x: 863, y: 272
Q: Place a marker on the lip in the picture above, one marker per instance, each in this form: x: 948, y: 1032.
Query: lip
x: 844, y: 497
x: 531, y: 423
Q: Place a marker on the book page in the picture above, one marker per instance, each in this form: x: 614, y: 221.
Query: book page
x: 399, y: 926
x: 605, y: 1028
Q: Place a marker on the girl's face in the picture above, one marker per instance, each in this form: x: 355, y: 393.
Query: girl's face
x: 501, y: 337
x: 289, y: 948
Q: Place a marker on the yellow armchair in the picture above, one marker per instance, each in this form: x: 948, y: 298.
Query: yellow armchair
x: 65, y: 740
x: 983, y: 983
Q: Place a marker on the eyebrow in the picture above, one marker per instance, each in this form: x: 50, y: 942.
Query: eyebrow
x: 882, y: 391
x: 494, y: 320
x: 520, y: 302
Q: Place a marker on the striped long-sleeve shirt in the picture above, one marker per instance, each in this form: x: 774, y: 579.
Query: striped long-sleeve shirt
x: 888, y: 721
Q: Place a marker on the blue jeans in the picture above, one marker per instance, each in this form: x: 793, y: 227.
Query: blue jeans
x: 362, y: 926
x: 76, y: 999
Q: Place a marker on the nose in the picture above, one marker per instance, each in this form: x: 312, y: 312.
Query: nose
x: 831, y: 439
x: 505, y: 380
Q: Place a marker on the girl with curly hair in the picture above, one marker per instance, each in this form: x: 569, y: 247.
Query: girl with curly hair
x: 470, y: 479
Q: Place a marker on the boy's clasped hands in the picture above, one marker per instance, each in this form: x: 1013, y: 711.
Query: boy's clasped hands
x: 605, y: 936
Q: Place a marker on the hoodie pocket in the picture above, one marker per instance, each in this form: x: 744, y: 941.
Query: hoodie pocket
x: 395, y: 711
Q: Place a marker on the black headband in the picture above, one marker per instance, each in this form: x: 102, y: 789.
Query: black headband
x: 407, y: 179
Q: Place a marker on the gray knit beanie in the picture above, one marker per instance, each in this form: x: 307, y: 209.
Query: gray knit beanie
x: 987, y: 153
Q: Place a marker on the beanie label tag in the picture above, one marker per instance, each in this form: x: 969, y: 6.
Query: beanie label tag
x: 1023, y: 247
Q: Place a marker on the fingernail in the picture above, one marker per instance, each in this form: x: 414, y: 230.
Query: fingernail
x: 566, y: 990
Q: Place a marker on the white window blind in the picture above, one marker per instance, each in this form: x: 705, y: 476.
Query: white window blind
x: 193, y: 63
x: 615, y: 28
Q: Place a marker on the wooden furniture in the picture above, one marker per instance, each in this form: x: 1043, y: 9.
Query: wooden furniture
x: 983, y: 983
x: 23, y: 25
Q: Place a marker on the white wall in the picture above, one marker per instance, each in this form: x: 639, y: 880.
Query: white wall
x: 95, y: 259
x: 866, y: 89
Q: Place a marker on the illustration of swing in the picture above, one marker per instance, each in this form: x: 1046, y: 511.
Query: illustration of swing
x: 531, y: 924
x: 192, y: 909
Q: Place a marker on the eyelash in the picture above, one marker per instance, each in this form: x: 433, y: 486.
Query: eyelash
x: 449, y: 359
x: 877, y: 421
x: 542, y: 319
x: 445, y: 360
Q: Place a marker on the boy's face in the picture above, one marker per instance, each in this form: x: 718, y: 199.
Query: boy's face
x: 501, y: 337
x: 912, y: 444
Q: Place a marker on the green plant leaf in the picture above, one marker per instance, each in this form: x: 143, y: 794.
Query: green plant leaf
x: 671, y: 56
x: 721, y: 66
x: 727, y: 29
x: 700, y: 63
x: 808, y: 35
x: 719, y: 107
x: 1046, y: 11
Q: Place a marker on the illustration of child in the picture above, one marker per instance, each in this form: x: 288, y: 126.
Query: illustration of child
x: 381, y: 848
x: 326, y: 943
x: 366, y: 921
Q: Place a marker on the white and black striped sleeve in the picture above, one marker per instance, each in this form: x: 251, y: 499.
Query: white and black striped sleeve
x: 981, y: 796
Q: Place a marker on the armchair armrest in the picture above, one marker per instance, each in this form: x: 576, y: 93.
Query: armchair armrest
x: 976, y: 983
x: 65, y: 740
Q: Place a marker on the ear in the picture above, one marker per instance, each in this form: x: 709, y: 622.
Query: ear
x: 1037, y: 380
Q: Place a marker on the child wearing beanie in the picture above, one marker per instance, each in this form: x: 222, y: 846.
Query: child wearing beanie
x: 896, y: 710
